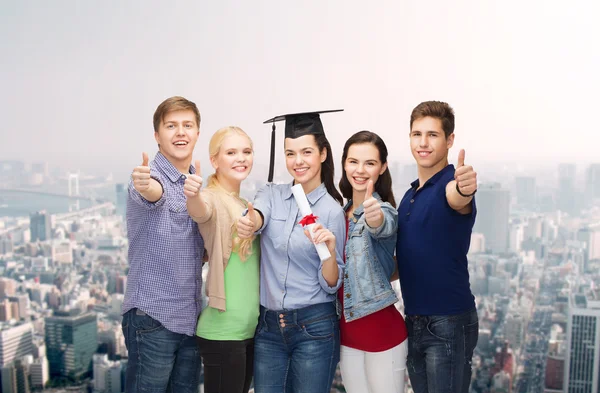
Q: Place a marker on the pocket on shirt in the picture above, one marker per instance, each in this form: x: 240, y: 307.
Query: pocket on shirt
x: 275, y: 227
x: 177, y: 205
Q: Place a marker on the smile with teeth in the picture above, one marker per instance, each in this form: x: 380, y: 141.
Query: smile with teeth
x: 240, y: 168
x: 300, y: 171
x: 360, y: 180
x: 180, y: 143
x: 423, y: 153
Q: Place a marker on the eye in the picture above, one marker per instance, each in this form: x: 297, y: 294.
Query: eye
x: 170, y: 126
x: 307, y: 152
x: 289, y: 154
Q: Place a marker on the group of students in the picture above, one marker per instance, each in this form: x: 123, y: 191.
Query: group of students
x: 278, y: 313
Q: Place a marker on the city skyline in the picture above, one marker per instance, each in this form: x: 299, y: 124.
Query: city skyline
x: 84, y: 92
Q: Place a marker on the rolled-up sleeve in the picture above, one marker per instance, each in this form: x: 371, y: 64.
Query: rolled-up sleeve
x: 337, y: 225
x: 263, y: 202
x: 389, y: 226
x: 139, y: 200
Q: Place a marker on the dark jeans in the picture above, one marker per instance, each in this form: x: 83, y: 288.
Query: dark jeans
x: 440, y: 349
x: 228, y: 365
x: 159, y: 360
x: 296, y: 350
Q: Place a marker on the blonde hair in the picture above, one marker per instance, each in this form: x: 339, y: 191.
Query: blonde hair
x: 242, y: 246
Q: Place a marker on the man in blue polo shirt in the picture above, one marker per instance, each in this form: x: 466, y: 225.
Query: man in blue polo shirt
x: 435, y: 219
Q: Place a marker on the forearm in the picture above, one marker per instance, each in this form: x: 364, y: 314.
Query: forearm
x: 197, y: 207
x: 456, y: 201
x: 154, y: 191
x: 330, y: 271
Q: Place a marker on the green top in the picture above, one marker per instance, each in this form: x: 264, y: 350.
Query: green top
x: 239, y: 320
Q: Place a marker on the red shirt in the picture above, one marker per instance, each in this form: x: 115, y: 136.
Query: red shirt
x: 375, y: 332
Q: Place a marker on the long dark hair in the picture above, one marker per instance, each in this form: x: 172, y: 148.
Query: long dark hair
x: 383, y: 186
x: 327, y: 168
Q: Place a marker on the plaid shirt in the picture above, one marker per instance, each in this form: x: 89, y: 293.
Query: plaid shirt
x: 165, y: 253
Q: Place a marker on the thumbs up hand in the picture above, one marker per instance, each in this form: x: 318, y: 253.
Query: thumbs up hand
x: 372, y: 208
x: 141, y: 175
x: 193, y: 183
x: 246, y: 226
x: 465, y: 176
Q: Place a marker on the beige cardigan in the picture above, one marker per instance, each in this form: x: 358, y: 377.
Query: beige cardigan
x: 216, y: 230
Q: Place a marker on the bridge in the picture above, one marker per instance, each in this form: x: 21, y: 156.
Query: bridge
x: 53, y: 194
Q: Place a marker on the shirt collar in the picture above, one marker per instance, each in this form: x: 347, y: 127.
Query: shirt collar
x: 162, y: 163
x: 312, y: 197
x: 435, y: 177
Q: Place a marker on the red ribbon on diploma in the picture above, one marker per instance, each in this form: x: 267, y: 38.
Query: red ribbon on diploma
x: 307, y: 220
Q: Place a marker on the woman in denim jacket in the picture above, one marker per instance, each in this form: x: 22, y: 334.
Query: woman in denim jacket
x: 373, y: 333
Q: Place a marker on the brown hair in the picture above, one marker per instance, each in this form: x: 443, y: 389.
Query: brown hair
x: 383, y: 186
x: 173, y: 104
x: 436, y: 109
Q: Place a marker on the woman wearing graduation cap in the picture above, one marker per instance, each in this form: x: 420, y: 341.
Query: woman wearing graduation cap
x: 297, y: 340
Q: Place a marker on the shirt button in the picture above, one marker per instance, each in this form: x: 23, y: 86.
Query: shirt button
x: 408, y: 214
x: 412, y: 201
x: 354, y: 219
x: 351, y: 314
x: 346, y: 275
x: 347, y: 295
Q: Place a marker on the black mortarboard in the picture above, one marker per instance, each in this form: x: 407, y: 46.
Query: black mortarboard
x: 296, y: 125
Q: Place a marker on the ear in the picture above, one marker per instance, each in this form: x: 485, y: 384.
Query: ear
x: 156, y: 139
x: 450, y: 141
x: 323, y: 155
x: 383, y: 169
x: 214, y: 163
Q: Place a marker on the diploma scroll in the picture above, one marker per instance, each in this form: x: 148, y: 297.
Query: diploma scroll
x: 308, y: 219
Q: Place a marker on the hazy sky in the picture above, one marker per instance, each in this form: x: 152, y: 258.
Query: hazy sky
x: 80, y: 80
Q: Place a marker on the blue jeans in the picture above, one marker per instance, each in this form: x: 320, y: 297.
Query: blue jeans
x: 159, y: 360
x: 440, y: 349
x: 296, y: 351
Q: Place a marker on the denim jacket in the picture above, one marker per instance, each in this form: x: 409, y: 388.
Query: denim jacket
x: 369, y: 263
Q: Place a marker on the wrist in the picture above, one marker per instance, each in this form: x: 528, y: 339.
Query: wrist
x: 464, y: 195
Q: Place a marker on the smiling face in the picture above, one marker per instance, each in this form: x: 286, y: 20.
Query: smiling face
x: 428, y: 143
x: 234, y: 160
x: 303, y: 161
x: 176, y: 137
x: 363, y: 164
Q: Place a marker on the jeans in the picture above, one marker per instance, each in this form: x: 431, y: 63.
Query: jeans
x: 228, y: 365
x: 296, y: 351
x: 159, y: 360
x: 440, y: 349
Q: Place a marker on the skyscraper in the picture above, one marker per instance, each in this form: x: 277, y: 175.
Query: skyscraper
x: 71, y: 341
x: 582, y: 368
x: 121, y: 190
x: 526, y: 191
x: 16, y: 341
x: 592, y: 185
x: 566, y: 197
x: 40, y: 226
x: 493, y: 202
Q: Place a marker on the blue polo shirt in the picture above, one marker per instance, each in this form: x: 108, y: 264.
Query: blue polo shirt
x: 433, y: 241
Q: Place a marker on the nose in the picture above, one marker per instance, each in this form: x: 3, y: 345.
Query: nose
x: 180, y: 130
x: 240, y: 157
x: 423, y: 141
x: 298, y: 159
x: 360, y: 168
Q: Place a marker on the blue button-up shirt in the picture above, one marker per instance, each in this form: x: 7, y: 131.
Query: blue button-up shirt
x: 165, y: 253
x: 291, y: 274
x: 432, y: 245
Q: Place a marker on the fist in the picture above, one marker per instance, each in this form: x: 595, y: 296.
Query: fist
x: 372, y: 208
x: 193, y: 183
x: 246, y: 225
x: 465, y: 176
x: 141, y: 175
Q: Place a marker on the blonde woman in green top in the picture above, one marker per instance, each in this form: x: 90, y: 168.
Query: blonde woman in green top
x: 226, y: 327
